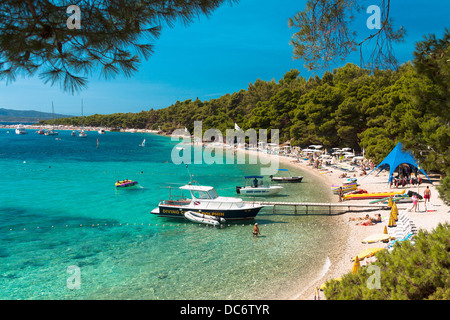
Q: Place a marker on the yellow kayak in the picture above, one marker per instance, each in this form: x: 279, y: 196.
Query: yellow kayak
x: 372, y: 195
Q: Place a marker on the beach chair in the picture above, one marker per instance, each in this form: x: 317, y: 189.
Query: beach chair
x: 404, y: 218
x: 409, y: 236
x: 404, y: 226
x: 403, y: 229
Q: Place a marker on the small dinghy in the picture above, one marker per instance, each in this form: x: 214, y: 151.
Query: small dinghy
x: 203, y: 218
x: 286, y: 178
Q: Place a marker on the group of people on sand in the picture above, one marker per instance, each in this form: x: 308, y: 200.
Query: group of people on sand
x: 367, y: 220
x: 402, y: 182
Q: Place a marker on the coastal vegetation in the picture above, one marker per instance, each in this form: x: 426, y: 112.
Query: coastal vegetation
x: 350, y: 106
x: 412, y: 271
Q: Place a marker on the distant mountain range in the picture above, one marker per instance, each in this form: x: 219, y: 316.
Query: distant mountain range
x: 9, y: 115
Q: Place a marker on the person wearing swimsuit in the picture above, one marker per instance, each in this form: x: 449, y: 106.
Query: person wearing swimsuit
x: 256, y: 232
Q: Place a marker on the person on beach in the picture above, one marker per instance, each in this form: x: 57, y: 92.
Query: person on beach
x: 368, y: 222
x: 415, y: 201
x: 317, y: 293
x: 377, y: 219
x: 341, y: 194
x: 358, y: 219
x: 256, y: 232
x: 427, y: 195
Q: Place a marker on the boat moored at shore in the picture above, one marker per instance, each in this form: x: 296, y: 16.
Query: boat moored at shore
x: 255, y: 186
x: 205, y: 200
x: 286, y: 178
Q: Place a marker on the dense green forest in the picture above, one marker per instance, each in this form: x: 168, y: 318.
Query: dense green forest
x: 349, y: 107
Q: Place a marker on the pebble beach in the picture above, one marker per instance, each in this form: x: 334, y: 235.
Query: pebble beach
x: 355, y: 233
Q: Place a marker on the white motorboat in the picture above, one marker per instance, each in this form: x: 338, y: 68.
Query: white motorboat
x: 203, y: 218
x: 82, y: 134
x: 204, y: 199
x: 255, y: 186
x: 20, y: 129
x: 101, y: 131
x: 51, y: 132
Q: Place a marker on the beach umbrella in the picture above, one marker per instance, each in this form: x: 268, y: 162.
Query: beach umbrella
x: 367, y: 253
x: 390, y: 202
x: 376, y: 237
x: 394, y: 211
x: 356, y: 265
x: 391, y: 221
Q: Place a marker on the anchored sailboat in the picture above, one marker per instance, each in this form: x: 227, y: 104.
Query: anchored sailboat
x: 82, y: 134
x: 52, y: 132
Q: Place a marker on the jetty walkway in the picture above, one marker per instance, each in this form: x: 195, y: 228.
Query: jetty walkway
x: 330, y: 206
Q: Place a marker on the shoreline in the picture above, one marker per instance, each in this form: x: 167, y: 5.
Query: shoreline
x: 339, y: 257
x: 340, y: 261
x: 334, y: 261
x: 76, y: 128
x: 334, y: 258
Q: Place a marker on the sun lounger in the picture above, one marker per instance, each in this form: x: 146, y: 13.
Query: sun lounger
x: 404, y: 226
x: 409, y: 236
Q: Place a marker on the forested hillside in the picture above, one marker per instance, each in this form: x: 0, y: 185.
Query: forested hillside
x: 349, y: 107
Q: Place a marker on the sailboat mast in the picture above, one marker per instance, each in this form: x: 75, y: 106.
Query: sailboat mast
x: 82, y: 118
x: 53, y: 116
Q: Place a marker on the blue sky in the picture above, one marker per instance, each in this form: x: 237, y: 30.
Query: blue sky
x: 213, y: 56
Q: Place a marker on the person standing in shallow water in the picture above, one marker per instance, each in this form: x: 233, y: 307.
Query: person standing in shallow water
x: 256, y: 232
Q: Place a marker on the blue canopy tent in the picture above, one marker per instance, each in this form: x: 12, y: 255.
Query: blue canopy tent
x: 397, y: 157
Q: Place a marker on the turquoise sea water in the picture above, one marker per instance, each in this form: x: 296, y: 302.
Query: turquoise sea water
x: 59, y: 208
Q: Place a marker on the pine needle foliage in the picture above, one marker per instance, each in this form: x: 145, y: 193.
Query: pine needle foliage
x: 325, y: 34
x: 113, y: 36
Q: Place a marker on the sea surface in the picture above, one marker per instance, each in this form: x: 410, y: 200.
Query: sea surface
x: 67, y: 233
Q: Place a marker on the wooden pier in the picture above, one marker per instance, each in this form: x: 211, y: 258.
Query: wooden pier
x: 307, y: 205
